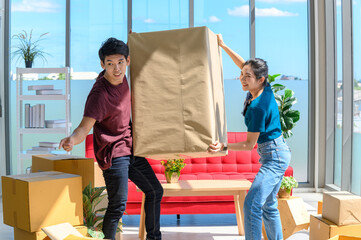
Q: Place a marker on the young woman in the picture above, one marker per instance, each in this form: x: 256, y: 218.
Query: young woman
x: 263, y: 124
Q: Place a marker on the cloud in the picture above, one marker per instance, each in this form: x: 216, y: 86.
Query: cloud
x: 149, y: 20
x: 273, y: 12
x: 35, y: 6
x: 214, y: 19
x: 243, y: 11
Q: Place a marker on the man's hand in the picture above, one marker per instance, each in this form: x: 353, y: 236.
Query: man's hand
x: 215, y: 147
x: 220, y: 40
x: 67, y: 144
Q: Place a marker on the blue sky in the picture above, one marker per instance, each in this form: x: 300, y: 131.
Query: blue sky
x: 281, y: 28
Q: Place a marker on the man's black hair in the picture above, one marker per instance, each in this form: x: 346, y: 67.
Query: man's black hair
x: 113, y: 46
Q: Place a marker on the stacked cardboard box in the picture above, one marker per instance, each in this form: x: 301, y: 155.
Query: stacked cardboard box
x: 341, y: 215
x: 36, y: 200
x: 85, y: 167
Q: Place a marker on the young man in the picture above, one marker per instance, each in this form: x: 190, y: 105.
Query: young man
x: 107, y: 111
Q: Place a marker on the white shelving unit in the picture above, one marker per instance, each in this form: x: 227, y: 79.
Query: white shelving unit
x: 20, y: 98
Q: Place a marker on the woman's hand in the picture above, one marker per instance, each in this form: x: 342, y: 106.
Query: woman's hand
x: 215, y: 147
x: 220, y: 40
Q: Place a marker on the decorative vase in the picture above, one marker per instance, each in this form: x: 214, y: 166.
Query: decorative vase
x: 172, y: 177
x: 28, y: 64
x: 282, y: 193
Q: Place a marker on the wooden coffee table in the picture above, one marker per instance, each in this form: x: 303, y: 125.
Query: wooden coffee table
x: 237, y: 188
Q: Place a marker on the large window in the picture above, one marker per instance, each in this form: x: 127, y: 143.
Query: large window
x: 356, y: 150
x: 282, y: 40
x: 92, y: 22
x: 232, y: 21
x: 338, y: 105
x: 36, y: 18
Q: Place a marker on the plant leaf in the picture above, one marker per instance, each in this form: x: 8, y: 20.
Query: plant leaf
x: 277, y: 87
x: 288, y: 93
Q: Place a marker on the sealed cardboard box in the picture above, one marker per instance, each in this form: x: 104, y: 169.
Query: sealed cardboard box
x: 36, y: 200
x: 67, y: 164
x: 40, y: 235
x: 177, y: 93
x: 342, y: 208
x: 323, y: 229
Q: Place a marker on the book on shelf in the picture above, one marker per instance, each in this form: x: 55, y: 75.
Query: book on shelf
x: 30, y: 151
x: 38, y: 148
x: 55, y: 125
x: 27, y: 115
x: 40, y: 87
x: 34, y: 116
x: 49, y: 92
x: 55, y: 121
x: 49, y: 144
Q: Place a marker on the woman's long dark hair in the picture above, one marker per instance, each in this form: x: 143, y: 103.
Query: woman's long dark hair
x: 260, y: 69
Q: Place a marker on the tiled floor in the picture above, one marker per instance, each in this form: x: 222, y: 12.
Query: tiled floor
x: 192, y: 227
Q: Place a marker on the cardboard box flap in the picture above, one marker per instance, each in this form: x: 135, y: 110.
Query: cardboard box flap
x: 61, y: 157
x: 43, y: 176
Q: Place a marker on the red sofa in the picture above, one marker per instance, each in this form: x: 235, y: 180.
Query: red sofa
x: 237, y: 165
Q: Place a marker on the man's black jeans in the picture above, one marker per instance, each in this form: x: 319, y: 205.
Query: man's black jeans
x: 141, y: 173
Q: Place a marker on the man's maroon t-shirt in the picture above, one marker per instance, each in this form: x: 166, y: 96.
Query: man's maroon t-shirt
x: 110, y: 106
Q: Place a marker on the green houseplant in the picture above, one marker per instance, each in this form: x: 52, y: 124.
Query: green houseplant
x: 93, y: 217
x: 287, y: 184
x: 172, y: 169
x: 28, y: 48
x: 285, y: 101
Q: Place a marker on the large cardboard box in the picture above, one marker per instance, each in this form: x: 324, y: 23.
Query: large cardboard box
x: 177, y: 93
x: 67, y: 164
x: 323, y: 229
x: 40, y: 235
x: 36, y: 200
x: 342, y: 208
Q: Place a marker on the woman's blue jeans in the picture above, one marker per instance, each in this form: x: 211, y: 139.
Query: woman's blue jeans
x: 261, y: 200
x: 141, y: 173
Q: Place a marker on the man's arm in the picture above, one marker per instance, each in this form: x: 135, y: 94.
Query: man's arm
x: 78, y: 135
x: 247, y: 145
x: 237, y: 59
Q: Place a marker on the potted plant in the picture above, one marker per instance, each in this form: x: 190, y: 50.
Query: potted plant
x: 287, y: 184
x: 172, y: 169
x: 93, y: 217
x: 285, y: 101
x: 28, y: 48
